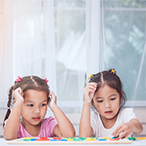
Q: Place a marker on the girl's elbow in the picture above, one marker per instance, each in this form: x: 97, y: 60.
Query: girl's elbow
x: 69, y: 134
x: 9, y: 137
x: 84, y: 135
x: 141, y: 129
x: 72, y: 133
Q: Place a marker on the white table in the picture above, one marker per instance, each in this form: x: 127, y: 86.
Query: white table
x: 134, y: 143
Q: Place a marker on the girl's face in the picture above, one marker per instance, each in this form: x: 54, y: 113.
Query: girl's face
x: 34, y: 107
x: 107, y: 102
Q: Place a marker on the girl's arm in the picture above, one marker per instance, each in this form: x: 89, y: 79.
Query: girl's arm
x: 137, y: 126
x: 85, y: 129
x: 12, y: 124
x: 64, y: 128
x: 125, y: 129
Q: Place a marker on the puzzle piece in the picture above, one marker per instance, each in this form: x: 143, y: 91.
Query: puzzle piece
x: 69, y: 140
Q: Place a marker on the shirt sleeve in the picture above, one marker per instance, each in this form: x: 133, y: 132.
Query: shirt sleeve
x: 127, y: 114
x: 49, y: 124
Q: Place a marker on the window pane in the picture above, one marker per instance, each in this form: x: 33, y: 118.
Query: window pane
x: 69, y: 3
x: 70, y: 53
x: 124, y: 48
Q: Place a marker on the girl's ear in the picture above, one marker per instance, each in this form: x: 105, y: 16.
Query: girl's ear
x: 14, y: 100
x: 48, y: 99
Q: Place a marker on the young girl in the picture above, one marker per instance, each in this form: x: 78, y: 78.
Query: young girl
x: 31, y: 98
x: 104, y: 92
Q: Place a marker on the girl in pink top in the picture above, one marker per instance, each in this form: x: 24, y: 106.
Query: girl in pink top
x: 31, y: 97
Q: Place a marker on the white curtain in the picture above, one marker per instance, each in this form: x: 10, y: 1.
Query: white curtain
x: 6, y: 49
x: 34, y: 39
x: 93, y: 37
x: 30, y: 49
x: 70, y: 54
x: 54, y: 40
x: 26, y: 42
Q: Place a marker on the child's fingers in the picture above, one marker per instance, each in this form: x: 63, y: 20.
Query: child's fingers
x: 123, y: 135
x: 92, y: 84
x: 52, y: 94
x: 89, y: 91
x: 92, y: 90
x: 116, y: 132
x: 20, y: 91
x: 121, y: 130
x: 91, y: 87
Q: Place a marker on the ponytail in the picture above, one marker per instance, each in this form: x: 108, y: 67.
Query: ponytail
x: 8, y: 105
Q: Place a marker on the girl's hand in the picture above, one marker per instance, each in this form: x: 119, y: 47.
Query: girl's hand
x: 89, y: 91
x: 123, y: 130
x: 18, y: 94
x: 52, y: 101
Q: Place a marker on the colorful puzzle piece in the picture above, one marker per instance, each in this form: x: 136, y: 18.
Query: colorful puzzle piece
x: 141, y: 138
x: 131, y: 138
x: 70, y: 140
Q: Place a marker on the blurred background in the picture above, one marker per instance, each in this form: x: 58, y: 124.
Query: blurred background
x: 66, y: 41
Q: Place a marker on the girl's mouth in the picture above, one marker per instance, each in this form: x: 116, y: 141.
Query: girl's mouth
x: 36, y: 118
x: 108, y: 112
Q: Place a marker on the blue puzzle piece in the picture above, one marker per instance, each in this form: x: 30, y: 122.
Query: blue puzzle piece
x: 102, y: 139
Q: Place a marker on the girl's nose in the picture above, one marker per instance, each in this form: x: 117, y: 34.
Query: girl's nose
x: 107, y: 104
x: 37, y: 110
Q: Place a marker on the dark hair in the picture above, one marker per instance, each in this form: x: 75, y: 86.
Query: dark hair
x: 111, y: 79
x: 26, y: 83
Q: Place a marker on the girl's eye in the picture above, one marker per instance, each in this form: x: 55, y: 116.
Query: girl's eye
x: 100, y: 101
x: 30, y: 105
x: 43, y: 104
x: 113, y: 98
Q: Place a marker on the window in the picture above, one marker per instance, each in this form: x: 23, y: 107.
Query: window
x: 70, y: 17
x: 124, y: 45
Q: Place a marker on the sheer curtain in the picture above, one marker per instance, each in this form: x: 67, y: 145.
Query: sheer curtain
x: 93, y: 37
x: 70, y: 54
x: 124, y: 36
x: 34, y: 40
x: 121, y: 43
x: 26, y: 42
x: 44, y: 40
x: 6, y: 48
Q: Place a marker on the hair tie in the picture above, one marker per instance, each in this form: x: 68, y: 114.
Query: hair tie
x: 18, y: 79
x: 113, y: 71
x: 91, y: 76
x: 8, y: 107
x: 46, y: 80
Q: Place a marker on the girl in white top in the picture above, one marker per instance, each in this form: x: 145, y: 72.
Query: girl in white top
x: 105, y: 95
